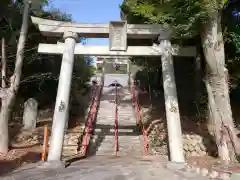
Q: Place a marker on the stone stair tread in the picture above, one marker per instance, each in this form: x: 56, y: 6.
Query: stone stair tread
x: 107, y: 121
x: 110, y: 153
x: 113, y: 130
x: 103, y: 138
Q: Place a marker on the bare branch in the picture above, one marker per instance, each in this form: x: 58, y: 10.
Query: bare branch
x: 4, y: 64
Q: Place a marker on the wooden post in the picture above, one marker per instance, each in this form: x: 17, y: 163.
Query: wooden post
x: 171, y: 104
x: 62, y: 100
x: 45, y: 143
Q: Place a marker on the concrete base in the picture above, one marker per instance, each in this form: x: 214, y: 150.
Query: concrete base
x: 175, y: 165
x: 52, y: 164
x: 235, y: 176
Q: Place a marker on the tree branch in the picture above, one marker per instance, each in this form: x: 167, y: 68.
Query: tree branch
x: 4, y: 63
x: 15, y: 81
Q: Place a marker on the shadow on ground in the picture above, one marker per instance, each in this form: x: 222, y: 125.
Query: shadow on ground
x: 7, y: 166
x: 25, y: 146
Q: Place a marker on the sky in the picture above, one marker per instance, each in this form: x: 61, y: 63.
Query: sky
x: 90, y: 11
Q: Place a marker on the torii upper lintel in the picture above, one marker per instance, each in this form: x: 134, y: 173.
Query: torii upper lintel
x: 134, y: 31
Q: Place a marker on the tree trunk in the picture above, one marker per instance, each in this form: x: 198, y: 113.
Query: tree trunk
x: 8, y: 94
x: 4, y: 117
x: 220, y: 119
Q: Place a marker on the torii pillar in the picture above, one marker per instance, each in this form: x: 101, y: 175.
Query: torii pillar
x: 171, y: 104
x: 62, y: 100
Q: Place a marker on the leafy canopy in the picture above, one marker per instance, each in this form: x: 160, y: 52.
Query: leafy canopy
x: 184, y: 16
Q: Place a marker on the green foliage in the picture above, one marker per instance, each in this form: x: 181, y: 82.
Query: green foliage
x: 40, y: 72
x: 235, y: 37
x: 231, y: 19
x: 184, y: 16
x: 55, y: 14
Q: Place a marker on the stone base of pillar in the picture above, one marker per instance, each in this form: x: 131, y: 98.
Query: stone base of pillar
x: 52, y: 164
x: 175, y: 165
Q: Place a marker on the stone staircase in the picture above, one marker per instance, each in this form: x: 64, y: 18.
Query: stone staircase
x: 73, y: 137
x: 102, y: 142
x: 129, y: 135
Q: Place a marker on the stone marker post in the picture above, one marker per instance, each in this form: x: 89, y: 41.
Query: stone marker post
x: 30, y: 114
x: 171, y: 104
x: 62, y: 100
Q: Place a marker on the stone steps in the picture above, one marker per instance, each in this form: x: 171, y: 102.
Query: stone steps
x: 71, y: 143
x: 131, y: 143
x: 129, y: 140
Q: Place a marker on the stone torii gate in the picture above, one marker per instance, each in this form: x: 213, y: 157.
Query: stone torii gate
x: 121, y: 60
x: 114, y: 59
x: 118, y: 32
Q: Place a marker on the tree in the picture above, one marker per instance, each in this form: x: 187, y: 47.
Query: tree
x: 37, y: 74
x: 192, y: 18
x: 231, y: 18
x: 8, y: 95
